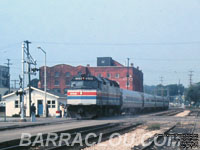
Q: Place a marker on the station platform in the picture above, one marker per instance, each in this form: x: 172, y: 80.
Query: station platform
x: 63, y: 125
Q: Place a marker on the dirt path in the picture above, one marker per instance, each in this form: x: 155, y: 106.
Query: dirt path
x: 183, y: 114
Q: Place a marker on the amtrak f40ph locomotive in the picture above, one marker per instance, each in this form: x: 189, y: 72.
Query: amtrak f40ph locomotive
x: 92, y: 96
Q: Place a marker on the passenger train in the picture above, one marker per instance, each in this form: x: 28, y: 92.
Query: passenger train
x: 91, y: 96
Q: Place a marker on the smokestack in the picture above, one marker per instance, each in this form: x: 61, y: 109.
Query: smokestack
x: 132, y: 65
x: 88, y: 65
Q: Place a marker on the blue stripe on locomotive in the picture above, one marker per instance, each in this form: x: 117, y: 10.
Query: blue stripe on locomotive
x: 93, y: 97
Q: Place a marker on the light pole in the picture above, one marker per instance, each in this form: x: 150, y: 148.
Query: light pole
x: 45, y: 81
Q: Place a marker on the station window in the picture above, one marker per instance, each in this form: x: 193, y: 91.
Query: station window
x: 117, y: 75
x: 17, y: 104
x: 53, y: 104
x: 49, y: 103
x: 68, y: 74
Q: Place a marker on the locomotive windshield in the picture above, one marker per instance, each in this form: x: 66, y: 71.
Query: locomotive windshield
x: 84, y: 83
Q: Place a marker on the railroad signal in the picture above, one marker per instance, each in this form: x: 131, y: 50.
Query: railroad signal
x: 20, y: 92
x: 35, y: 69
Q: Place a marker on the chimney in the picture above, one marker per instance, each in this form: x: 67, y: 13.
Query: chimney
x: 132, y: 65
x: 138, y: 68
x: 88, y: 65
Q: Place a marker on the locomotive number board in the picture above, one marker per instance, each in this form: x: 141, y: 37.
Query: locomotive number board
x: 84, y: 78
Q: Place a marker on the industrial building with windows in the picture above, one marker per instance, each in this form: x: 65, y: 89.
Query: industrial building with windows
x: 4, y: 80
x: 59, y: 76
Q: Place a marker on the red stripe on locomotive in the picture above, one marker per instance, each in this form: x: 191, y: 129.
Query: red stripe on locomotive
x: 82, y: 93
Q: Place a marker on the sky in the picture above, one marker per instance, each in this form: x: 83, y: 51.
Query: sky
x: 162, y: 37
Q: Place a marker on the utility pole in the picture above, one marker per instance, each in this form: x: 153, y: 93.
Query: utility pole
x: 190, y: 77
x: 8, y: 64
x: 30, y: 61
x: 21, y: 94
x: 127, y: 84
x: 179, y: 92
x: 22, y: 84
x: 29, y: 73
x: 161, y: 82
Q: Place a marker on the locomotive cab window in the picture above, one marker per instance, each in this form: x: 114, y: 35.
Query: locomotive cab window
x: 84, y: 82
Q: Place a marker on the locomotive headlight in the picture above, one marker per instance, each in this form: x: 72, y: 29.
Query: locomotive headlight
x: 81, y: 92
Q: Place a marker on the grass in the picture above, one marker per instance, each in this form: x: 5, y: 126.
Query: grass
x: 155, y: 126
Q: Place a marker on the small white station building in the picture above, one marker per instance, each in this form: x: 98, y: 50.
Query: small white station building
x: 54, y: 100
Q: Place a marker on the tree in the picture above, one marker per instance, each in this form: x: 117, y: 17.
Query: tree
x: 193, y: 94
x: 160, y: 90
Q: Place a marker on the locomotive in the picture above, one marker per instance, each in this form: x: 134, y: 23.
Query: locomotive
x: 91, y: 96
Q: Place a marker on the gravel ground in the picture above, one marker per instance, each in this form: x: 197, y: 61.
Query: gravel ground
x: 129, y: 140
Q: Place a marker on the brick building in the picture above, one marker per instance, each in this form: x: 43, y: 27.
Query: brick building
x: 59, y: 76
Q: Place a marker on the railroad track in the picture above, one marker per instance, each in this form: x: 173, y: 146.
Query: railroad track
x: 172, y: 144
x: 169, y: 113
x: 105, y: 130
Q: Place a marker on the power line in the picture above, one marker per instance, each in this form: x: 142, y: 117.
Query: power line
x: 9, y: 46
x: 118, y: 44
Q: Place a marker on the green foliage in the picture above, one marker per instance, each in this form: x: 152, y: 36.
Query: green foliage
x: 193, y: 94
x: 155, y: 126
x: 173, y: 89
